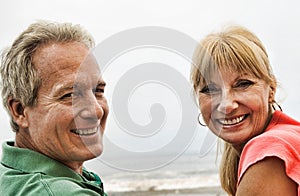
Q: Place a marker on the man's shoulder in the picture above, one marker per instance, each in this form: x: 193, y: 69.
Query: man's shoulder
x: 13, y: 182
x: 67, y: 186
x: 35, y: 174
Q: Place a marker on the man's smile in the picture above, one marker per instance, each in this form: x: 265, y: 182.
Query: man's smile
x: 85, y: 132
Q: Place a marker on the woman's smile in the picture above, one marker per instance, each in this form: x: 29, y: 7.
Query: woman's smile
x: 228, y: 122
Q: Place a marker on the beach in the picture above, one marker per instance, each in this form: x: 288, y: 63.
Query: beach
x: 186, y: 192
x: 187, y: 175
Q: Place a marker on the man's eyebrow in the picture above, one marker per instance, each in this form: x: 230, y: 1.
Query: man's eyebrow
x: 60, y: 89
x: 63, y: 88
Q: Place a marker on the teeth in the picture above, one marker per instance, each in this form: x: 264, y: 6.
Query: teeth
x: 232, y: 121
x: 85, y: 131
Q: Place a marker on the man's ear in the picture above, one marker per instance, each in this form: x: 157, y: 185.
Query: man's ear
x: 17, y: 112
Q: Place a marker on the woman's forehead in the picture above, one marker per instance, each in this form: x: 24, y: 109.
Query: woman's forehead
x: 218, y: 75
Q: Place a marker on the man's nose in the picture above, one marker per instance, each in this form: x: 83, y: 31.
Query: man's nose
x: 92, y: 109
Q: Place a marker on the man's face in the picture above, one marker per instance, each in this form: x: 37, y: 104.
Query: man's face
x: 68, y: 122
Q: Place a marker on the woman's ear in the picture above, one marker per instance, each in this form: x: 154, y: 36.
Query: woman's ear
x: 272, y: 94
x: 16, y: 109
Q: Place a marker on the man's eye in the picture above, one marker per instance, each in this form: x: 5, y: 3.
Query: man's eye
x: 209, y: 89
x: 70, y: 95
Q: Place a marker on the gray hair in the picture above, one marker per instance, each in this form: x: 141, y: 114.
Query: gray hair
x: 19, y: 79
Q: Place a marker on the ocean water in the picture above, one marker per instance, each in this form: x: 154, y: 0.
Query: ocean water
x: 189, y: 174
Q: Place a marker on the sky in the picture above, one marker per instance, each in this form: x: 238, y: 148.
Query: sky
x: 276, y: 22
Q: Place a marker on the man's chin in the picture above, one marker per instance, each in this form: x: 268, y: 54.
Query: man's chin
x: 94, y: 151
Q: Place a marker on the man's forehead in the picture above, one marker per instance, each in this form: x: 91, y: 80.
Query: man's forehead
x: 59, y: 58
x: 89, y: 64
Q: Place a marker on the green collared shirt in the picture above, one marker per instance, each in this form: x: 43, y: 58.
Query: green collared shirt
x: 26, y: 172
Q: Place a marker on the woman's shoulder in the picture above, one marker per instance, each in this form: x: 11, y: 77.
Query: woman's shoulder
x: 284, y: 122
x: 282, y: 129
x: 267, y: 177
x: 280, y: 140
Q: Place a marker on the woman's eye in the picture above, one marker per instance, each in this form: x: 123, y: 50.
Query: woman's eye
x: 209, y: 89
x: 244, y: 84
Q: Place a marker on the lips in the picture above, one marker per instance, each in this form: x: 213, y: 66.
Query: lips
x: 231, y: 121
x: 85, y: 132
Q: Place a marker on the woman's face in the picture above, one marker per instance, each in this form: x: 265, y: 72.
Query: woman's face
x: 235, y: 106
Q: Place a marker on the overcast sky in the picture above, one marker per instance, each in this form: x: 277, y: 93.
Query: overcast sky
x: 276, y: 22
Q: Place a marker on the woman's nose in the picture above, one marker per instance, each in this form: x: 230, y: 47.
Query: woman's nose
x: 227, y: 103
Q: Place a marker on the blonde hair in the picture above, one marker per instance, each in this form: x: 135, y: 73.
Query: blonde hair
x: 233, y: 49
x: 19, y: 78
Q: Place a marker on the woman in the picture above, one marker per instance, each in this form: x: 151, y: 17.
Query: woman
x: 235, y: 86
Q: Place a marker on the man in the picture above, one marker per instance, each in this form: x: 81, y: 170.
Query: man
x: 54, y: 94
